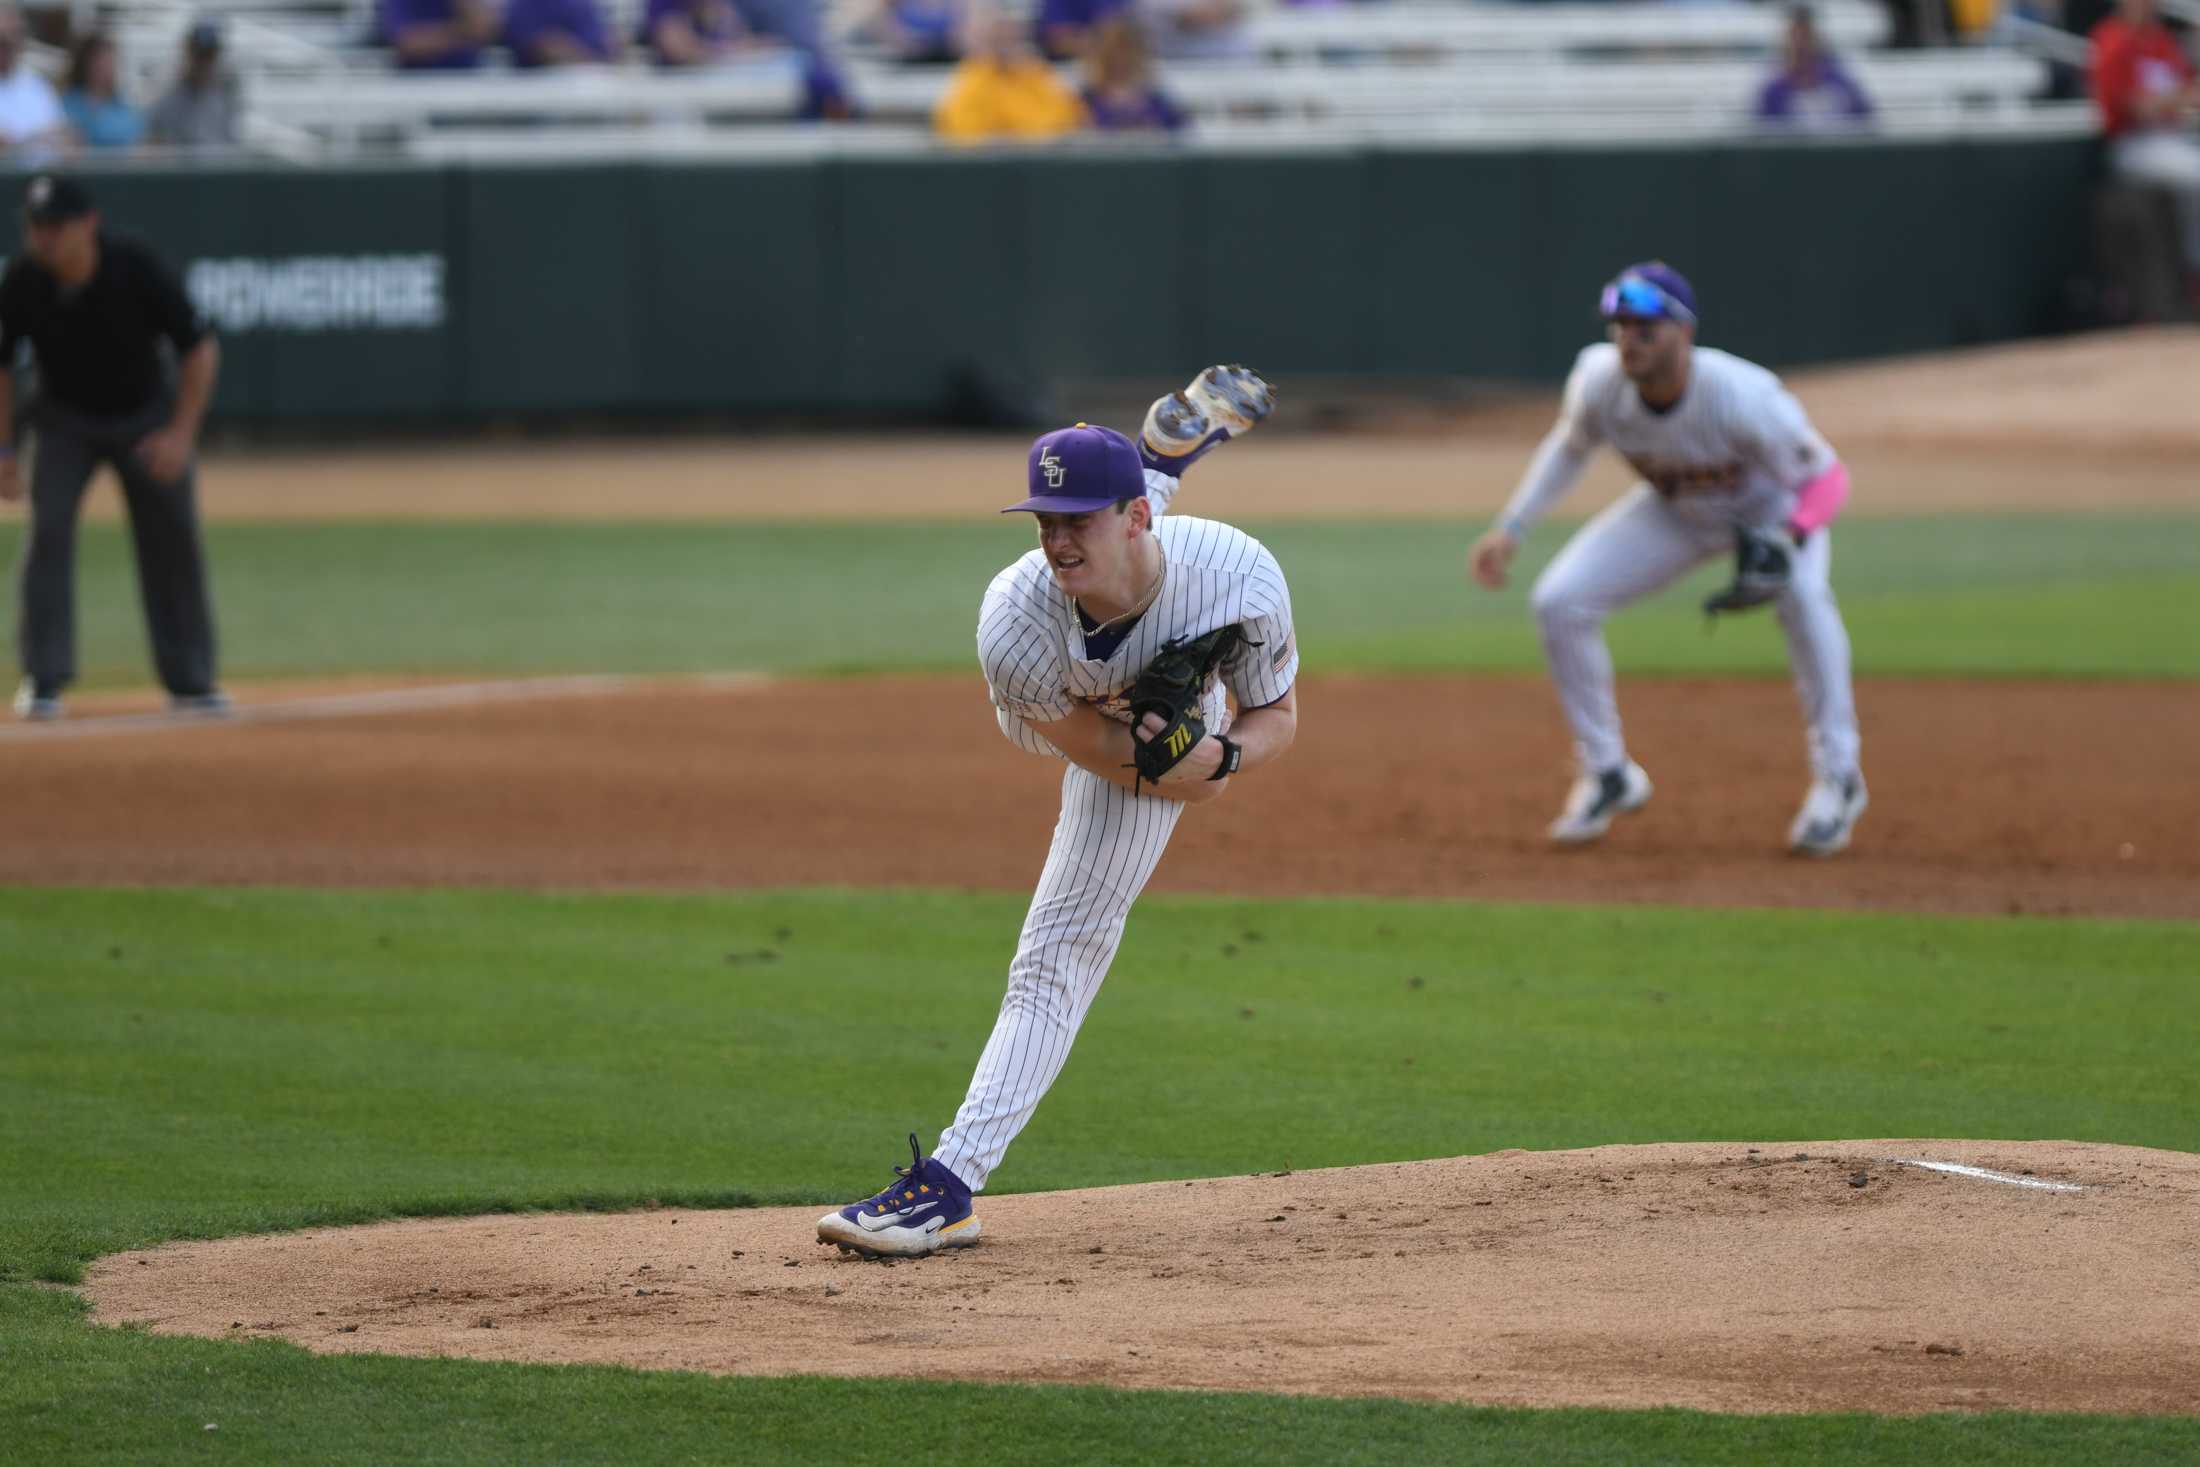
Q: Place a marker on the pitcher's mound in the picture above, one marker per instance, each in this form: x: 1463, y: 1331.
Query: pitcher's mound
x: 1774, y: 1276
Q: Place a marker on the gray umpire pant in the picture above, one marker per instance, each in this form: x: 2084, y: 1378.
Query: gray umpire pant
x: 67, y: 448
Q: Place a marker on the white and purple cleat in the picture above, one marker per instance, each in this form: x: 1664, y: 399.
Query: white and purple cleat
x: 1221, y: 403
x: 926, y: 1209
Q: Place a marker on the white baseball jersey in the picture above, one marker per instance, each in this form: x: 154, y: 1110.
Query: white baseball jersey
x: 1735, y: 447
x: 1107, y: 841
x: 1032, y: 644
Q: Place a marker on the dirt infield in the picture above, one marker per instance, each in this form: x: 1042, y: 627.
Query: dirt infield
x: 2096, y: 422
x: 1987, y: 797
x: 1468, y: 471
x: 1749, y: 1277
x: 1809, y: 1276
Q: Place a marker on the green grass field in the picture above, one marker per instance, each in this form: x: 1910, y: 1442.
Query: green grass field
x: 2035, y: 595
x: 186, y: 1064
x: 190, y: 1063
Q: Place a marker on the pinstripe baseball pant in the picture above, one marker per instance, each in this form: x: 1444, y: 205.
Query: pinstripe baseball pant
x: 1106, y: 844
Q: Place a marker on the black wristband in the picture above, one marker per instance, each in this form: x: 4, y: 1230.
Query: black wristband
x: 1232, y: 754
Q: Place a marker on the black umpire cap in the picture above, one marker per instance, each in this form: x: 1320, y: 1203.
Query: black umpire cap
x: 50, y: 199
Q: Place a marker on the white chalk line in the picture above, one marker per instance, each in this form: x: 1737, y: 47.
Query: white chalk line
x: 377, y: 702
x: 1981, y: 1174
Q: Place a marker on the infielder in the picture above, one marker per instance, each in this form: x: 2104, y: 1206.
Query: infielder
x: 1114, y: 591
x: 1729, y: 463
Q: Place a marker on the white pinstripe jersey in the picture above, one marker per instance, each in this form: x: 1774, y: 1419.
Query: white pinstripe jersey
x: 1032, y: 645
x: 1736, y: 446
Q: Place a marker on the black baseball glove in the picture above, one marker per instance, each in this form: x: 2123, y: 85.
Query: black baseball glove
x: 1764, y: 559
x: 1171, y: 687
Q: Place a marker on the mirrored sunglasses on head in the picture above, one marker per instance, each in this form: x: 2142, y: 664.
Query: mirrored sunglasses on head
x: 1633, y: 298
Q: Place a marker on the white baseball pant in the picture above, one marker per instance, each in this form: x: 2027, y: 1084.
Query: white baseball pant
x: 1639, y: 545
x: 1106, y: 845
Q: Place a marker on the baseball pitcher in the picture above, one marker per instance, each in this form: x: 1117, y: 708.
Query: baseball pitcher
x: 1118, y: 647
x: 1729, y: 464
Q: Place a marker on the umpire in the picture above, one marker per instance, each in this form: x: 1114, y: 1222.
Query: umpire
x: 98, y: 310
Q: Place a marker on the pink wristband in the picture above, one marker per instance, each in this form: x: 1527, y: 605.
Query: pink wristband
x: 1817, y: 502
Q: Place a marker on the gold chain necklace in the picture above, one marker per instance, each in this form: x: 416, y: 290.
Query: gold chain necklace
x: 1144, y: 601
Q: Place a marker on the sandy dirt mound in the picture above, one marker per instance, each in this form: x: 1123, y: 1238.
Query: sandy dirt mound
x: 1986, y: 797
x: 1788, y: 1276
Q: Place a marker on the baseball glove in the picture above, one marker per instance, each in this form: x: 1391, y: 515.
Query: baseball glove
x: 1764, y: 558
x: 1171, y: 687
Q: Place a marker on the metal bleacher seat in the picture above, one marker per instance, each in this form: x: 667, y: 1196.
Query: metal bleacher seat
x: 1539, y: 85
x: 1523, y: 95
x: 1564, y: 25
x: 1467, y: 70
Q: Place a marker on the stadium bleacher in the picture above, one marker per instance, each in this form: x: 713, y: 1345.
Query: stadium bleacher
x: 1472, y: 71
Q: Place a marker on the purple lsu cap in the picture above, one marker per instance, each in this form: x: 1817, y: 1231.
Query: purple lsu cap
x: 1081, y: 469
x: 1650, y: 290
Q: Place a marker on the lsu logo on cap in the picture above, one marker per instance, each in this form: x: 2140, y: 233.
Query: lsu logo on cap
x: 1055, y: 470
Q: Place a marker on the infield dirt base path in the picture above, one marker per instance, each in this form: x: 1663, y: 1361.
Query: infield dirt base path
x: 2066, y: 798
x: 2098, y: 422
x: 1790, y: 1276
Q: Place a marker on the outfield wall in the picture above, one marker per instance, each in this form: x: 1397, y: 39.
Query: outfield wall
x: 888, y: 285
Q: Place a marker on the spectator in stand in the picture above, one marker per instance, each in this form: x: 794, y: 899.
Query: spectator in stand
x: 1119, y: 93
x: 696, y: 32
x: 438, y: 35
x: 918, y: 32
x: 544, y: 33
x: 92, y: 97
x: 708, y: 32
x: 1811, y: 92
x: 2143, y: 83
x: 1197, y: 30
x: 801, y: 24
x: 200, y: 108
x: 1003, y: 90
x: 1064, y: 28
x: 32, y: 125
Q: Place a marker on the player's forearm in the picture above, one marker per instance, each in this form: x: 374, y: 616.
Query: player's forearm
x: 1124, y: 775
x: 1263, y: 734
x: 1554, y: 470
x: 195, y: 385
x: 1820, y: 499
x: 1106, y: 750
x: 1099, y: 745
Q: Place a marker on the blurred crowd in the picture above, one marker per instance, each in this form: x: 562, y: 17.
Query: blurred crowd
x: 1005, y: 87
x: 1008, y: 82
x: 1005, y: 83
x: 197, y: 106
x: 456, y: 35
x: 1040, y: 69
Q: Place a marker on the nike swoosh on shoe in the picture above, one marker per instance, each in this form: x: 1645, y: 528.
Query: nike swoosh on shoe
x: 891, y: 1219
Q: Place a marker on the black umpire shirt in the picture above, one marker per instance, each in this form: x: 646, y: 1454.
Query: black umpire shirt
x: 99, y: 347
